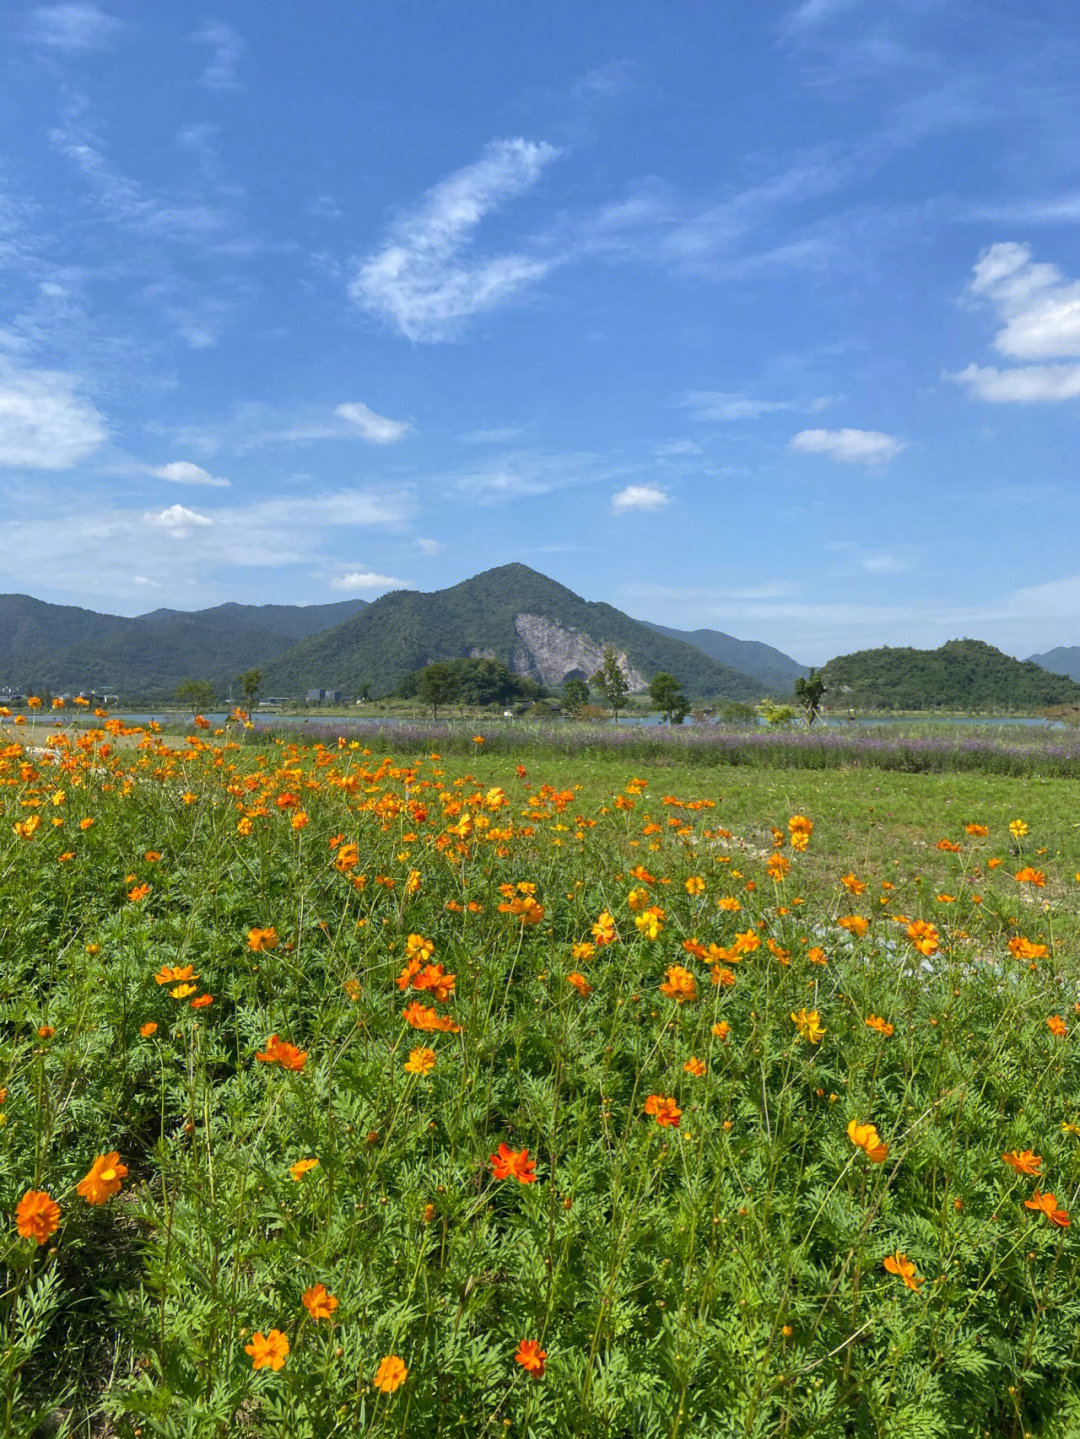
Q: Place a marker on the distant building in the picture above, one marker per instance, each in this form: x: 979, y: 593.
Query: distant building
x: 323, y: 697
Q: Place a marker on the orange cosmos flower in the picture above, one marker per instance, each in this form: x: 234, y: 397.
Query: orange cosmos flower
x: 800, y: 829
x: 1021, y: 948
x: 513, y: 1164
x: 268, y: 1351
x: 866, y: 1137
x: 37, y: 1216
x: 695, y: 885
x: 1027, y: 875
x: 729, y: 903
x: 855, y: 924
x: 421, y: 1016
x: 924, y: 936
x: 1057, y: 1026
x: 1024, y: 1161
x: 809, y: 1025
x: 580, y: 983
x: 103, y: 1178
x: 604, y: 931
x: 696, y: 1067
x: 1047, y: 1204
x: 664, y: 1110
x: 901, y: 1265
x: 174, y: 974
x: 260, y: 939
x: 279, y: 1052
x: 531, y: 1357
x: 853, y: 885
x: 417, y: 947
x: 147, y: 1029
x: 874, y: 1021
x: 778, y: 867
x: 721, y: 1030
x: 302, y: 1167
x: 202, y: 1002
x: 391, y: 1373
x: 46, y: 1031
x: 679, y: 985
x: 979, y: 831
x: 318, y: 1302
x: 433, y: 978
x: 139, y: 892
x: 420, y: 1061
x: 582, y: 951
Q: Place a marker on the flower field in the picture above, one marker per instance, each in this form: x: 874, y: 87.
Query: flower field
x: 352, y: 1092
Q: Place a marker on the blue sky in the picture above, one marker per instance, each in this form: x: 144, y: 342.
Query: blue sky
x: 760, y: 317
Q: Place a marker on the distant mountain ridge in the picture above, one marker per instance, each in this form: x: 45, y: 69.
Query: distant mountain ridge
x: 962, y: 674
x: 534, y: 625
x: 771, y: 667
x: 1065, y: 660
x: 62, y: 647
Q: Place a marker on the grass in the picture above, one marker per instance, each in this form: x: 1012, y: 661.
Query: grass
x: 702, y: 1251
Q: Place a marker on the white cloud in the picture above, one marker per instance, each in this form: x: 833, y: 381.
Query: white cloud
x: 1023, y: 384
x: 423, y: 281
x: 371, y: 426
x: 429, y: 547
x: 183, y: 472
x: 72, y: 27
x: 1039, y: 306
x: 226, y: 47
x: 366, y: 580
x: 639, y: 497
x: 853, y: 447
x: 44, y: 423
x: 178, y: 521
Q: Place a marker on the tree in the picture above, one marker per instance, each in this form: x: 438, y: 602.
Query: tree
x: 808, y: 691
x: 610, y: 679
x: 436, y: 685
x: 250, y: 681
x: 575, y: 695
x: 199, y: 694
x: 668, y: 697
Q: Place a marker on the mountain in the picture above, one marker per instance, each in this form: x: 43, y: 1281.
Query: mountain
x: 1065, y: 660
x: 61, y: 647
x: 772, y: 668
x: 532, y: 624
x: 963, y: 674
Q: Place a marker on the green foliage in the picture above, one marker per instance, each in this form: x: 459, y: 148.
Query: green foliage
x: 961, y: 675
x: 668, y: 697
x: 250, y: 684
x: 198, y: 695
x: 611, y: 680
x: 774, y: 714
x: 575, y: 695
x: 809, y: 691
x: 474, y: 682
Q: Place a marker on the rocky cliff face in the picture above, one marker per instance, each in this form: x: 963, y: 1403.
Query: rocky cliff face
x: 545, y: 651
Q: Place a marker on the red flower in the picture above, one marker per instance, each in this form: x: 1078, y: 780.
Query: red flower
x: 513, y: 1164
x: 531, y: 1357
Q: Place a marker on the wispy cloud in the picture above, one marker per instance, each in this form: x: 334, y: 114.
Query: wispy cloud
x: 853, y: 447
x: 72, y: 28
x: 45, y: 423
x: 183, y: 472
x: 226, y: 52
x: 639, y: 497
x: 429, y: 546
x: 725, y: 405
x: 425, y: 281
x: 1038, y: 309
x: 370, y: 426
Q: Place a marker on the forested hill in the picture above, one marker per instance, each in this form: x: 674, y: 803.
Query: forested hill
x: 532, y: 624
x: 962, y: 674
x: 1065, y: 660
x: 769, y: 666
x: 62, y: 647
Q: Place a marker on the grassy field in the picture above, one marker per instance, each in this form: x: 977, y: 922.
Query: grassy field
x: 531, y: 1092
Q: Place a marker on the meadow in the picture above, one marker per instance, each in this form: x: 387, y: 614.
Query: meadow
x: 536, y: 1087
